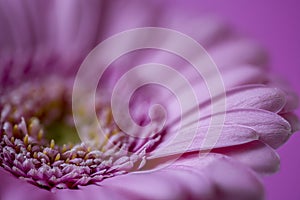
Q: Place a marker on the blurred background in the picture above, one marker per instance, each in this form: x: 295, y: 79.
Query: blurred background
x: 275, y: 25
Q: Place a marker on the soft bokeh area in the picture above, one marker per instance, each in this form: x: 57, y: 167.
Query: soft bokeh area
x: 275, y: 24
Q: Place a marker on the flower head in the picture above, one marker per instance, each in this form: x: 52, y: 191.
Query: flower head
x: 39, y: 142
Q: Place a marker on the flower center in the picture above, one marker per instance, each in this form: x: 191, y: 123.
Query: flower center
x: 39, y: 142
x: 61, y: 133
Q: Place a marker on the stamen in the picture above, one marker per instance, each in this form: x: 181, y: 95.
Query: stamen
x: 25, y: 139
x: 52, y: 144
x: 74, y: 155
x: 16, y: 131
x: 57, y: 157
x: 35, y: 155
x: 64, y: 148
x: 40, y: 135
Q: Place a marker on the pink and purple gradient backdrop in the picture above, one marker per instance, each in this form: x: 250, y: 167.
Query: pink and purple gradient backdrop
x: 275, y: 24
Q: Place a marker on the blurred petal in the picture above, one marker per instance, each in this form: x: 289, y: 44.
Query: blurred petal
x: 207, y: 30
x: 293, y: 120
x: 238, y: 52
x: 91, y: 192
x: 17, y: 189
x: 232, y: 180
x: 148, y: 185
x: 257, y: 155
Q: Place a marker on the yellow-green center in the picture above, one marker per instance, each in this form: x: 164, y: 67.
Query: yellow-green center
x: 61, y: 133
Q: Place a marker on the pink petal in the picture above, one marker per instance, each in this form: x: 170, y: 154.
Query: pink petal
x: 76, y: 24
x: 271, y: 128
x: 195, y: 182
x: 207, y: 30
x: 148, y: 185
x: 128, y: 12
x: 257, y: 155
x: 17, y: 189
x: 91, y: 192
x: 243, y: 75
x: 238, y: 52
x: 171, y: 183
x: 292, y: 99
x: 292, y: 102
x: 16, y: 16
x: 255, y: 96
x: 293, y: 120
x: 232, y: 179
x: 230, y: 135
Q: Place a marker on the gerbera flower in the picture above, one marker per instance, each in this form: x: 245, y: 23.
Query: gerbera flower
x: 41, y: 155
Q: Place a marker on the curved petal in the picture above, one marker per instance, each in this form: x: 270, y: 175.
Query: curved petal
x: 91, y: 192
x: 271, y: 128
x: 172, y: 183
x: 185, y: 141
x: 257, y: 155
x: 206, y: 30
x: 238, y: 52
x: 293, y: 120
x: 148, y: 185
x: 292, y: 102
x: 243, y: 75
x: 259, y: 97
x: 232, y: 179
x: 17, y: 189
x: 250, y: 96
x: 195, y: 182
x: 292, y: 99
x: 134, y: 15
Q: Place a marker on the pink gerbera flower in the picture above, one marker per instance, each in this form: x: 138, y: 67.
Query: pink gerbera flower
x: 41, y: 155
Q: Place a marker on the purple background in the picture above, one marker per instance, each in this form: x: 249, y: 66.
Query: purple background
x: 275, y: 24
